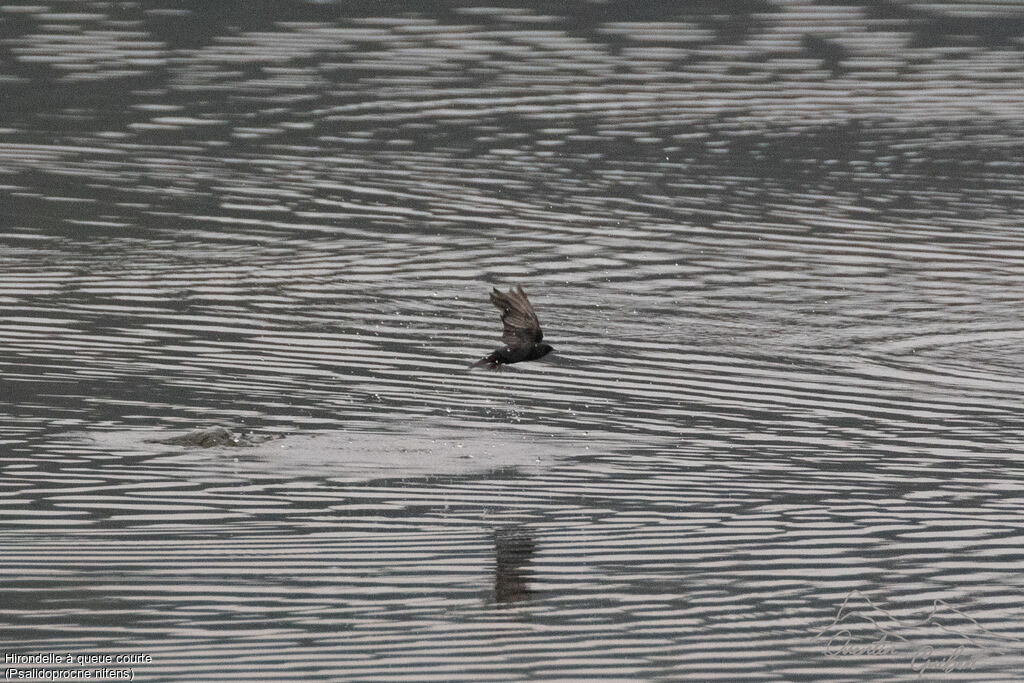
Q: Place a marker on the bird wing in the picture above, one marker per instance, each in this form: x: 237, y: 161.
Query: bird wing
x: 517, y: 315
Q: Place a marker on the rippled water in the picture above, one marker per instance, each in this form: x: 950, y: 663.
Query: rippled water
x: 777, y: 246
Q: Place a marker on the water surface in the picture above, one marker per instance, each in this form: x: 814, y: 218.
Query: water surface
x: 776, y: 245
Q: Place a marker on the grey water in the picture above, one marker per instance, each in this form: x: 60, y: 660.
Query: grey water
x: 777, y: 245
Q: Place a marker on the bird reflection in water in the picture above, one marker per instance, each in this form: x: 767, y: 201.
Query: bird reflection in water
x: 513, y: 548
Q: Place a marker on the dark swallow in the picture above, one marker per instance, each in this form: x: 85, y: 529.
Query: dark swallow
x: 522, y: 335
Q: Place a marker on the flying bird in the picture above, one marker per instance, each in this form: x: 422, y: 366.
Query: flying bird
x: 522, y: 335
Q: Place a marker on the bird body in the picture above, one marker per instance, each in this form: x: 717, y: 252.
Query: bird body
x: 521, y: 334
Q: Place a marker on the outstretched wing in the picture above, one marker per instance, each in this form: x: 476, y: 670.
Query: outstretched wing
x: 517, y: 315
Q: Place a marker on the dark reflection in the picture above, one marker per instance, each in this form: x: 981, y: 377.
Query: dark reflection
x: 829, y: 52
x: 933, y: 27
x: 513, y: 550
